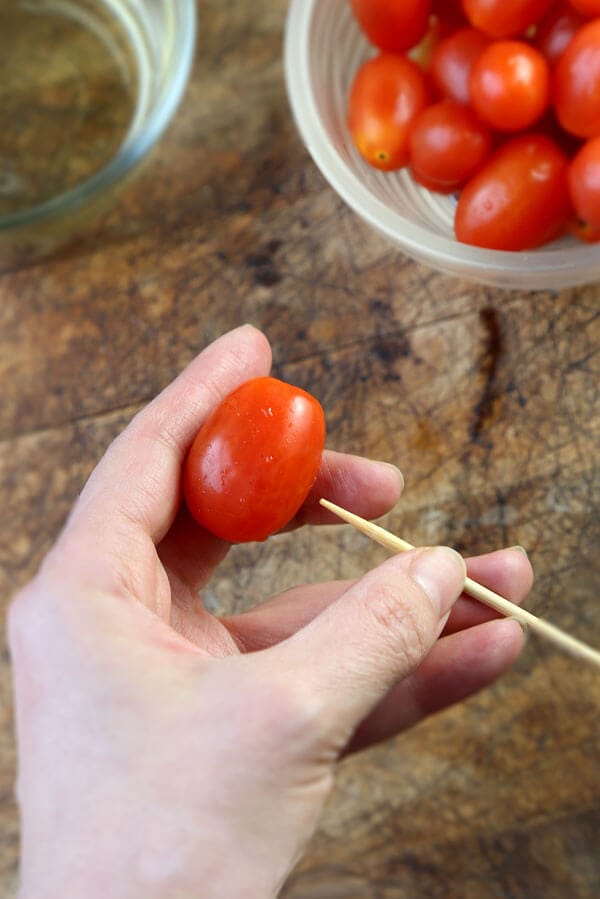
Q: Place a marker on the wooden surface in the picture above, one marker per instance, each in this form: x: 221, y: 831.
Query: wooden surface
x: 489, y: 401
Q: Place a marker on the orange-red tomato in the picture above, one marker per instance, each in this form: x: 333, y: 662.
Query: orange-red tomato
x: 448, y: 144
x: 388, y: 92
x: 576, y: 83
x: 393, y: 25
x: 505, y: 18
x: 556, y: 30
x: 254, y: 460
x: 452, y: 61
x: 584, y: 183
x: 519, y: 199
x: 510, y: 85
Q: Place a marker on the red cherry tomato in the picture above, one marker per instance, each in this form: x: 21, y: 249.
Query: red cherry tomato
x: 505, y: 18
x: 254, y: 460
x: 388, y: 92
x: 509, y: 85
x: 448, y: 144
x: 452, y: 61
x: 519, y: 199
x: 576, y: 83
x: 393, y: 25
x: 556, y: 30
x: 589, y: 9
x: 584, y: 183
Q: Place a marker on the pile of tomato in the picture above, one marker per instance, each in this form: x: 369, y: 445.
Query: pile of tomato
x: 497, y: 101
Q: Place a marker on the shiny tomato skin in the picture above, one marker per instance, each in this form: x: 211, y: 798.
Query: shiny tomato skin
x: 556, y: 31
x: 510, y: 85
x: 452, y: 61
x: 254, y: 460
x: 519, y: 199
x: 387, y: 94
x: 576, y: 83
x: 393, y: 25
x: 448, y: 144
x: 505, y: 18
x: 584, y: 183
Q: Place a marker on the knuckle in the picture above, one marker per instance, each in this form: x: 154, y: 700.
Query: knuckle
x: 401, y: 620
x: 387, y: 611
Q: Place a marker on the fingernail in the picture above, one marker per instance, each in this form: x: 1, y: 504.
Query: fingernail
x: 395, y: 469
x: 521, y: 549
x: 521, y: 624
x: 441, y: 572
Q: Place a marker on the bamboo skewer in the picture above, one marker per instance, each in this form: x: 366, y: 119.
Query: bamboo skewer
x: 486, y: 596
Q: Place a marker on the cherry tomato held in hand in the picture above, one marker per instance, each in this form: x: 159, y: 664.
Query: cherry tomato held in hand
x: 505, y: 18
x: 448, y: 144
x: 254, y: 460
x: 393, y: 25
x: 510, y: 85
x: 584, y: 184
x: 519, y: 199
x: 388, y: 92
x: 576, y: 83
x: 452, y: 61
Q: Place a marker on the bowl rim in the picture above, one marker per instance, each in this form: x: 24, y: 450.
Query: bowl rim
x: 579, y: 262
x: 131, y: 152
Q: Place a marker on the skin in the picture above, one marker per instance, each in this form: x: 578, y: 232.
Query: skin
x: 164, y: 752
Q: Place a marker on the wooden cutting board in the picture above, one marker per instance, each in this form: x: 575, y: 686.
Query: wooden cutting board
x: 489, y: 402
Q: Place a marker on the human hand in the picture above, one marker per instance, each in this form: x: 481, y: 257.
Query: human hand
x: 165, y: 752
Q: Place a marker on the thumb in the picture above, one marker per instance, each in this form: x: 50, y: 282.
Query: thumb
x: 348, y: 657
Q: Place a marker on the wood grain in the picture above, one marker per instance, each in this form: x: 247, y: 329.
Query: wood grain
x: 489, y: 401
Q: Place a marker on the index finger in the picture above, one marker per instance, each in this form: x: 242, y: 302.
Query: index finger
x: 136, y: 485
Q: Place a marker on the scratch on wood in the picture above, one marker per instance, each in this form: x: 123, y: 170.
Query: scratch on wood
x: 484, y: 410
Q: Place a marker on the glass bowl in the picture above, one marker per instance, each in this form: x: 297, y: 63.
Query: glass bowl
x: 323, y: 49
x: 86, y: 89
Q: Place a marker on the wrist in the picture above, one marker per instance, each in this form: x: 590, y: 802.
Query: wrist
x: 211, y: 872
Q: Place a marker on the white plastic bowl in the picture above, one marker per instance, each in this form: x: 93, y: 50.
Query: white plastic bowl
x: 323, y: 49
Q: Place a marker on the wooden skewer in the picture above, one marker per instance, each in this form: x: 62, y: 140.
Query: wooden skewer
x: 554, y: 634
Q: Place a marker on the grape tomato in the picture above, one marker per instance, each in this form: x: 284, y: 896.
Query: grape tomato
x: 556, y: 31
x: 452, y: 61
x: 505, y: 18
x: 393, y: 25
x: 576, y: 83
x: 509, y: 85
x: 519, y: 199
x: 448, y: 144
x: 584, y: 184
x: 387, y: 94
x: 254, y: 460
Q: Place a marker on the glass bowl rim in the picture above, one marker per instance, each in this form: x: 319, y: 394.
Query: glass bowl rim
x: 130, y: 153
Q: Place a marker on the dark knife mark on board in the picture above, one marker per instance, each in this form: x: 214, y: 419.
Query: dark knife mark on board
x: 494, y: 345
